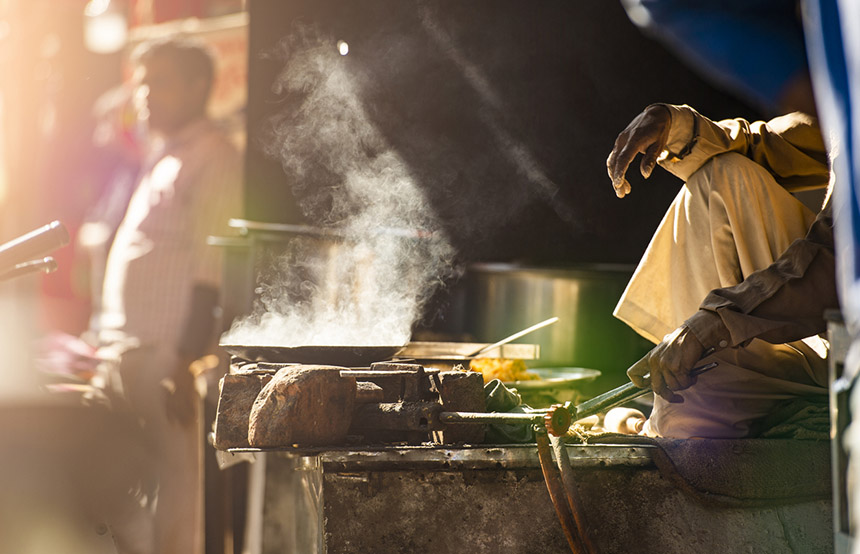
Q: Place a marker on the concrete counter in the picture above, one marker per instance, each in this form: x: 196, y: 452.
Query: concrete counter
x: 492, y: 499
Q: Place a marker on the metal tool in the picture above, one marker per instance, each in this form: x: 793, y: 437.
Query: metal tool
x: 617, y: 396
x: 345, y: 356
x: 16, y: 256
x: 556, y: 419
x: 558, y: 494
x: 45, y: 265
x: 429, y: 416
x: 563, y: 492
x: 513, y: 337
x: 33, y: 244
x: 559, y: 477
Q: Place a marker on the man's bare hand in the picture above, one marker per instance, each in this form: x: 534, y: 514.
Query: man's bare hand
x: 647, y: 135
x: 670, y: 364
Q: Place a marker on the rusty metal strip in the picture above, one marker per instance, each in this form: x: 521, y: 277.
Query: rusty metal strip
x: 438, y: 457
x: 572, y: 493
x: 556, y: 493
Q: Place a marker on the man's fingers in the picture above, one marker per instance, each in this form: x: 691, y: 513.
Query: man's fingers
x: 622, y: 188
x: 610, y: 162
x: 684, y: 380
x: 658, y: 384
x: 615, y: 169
x: 673, y: 398
x: 662, y: 384
x: 623, y: 160
x: 646, y: 135
x: 649, y: 160
x: 621, y: 156
x: 671, y: 380
x: 638, y: 373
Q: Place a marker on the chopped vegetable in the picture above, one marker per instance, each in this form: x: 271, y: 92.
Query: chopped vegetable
x: 503, y: 369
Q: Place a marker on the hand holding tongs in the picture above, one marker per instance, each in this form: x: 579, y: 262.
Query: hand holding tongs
x: 624, y: 393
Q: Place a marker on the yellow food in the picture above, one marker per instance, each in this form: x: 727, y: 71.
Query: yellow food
x: 503, y: 369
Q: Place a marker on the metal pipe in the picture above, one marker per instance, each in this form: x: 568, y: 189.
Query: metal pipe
x: 615, y: 397
x: 45, y: 265
x: 555, y: 420
x: 481, y: 417
x: 33, y: 244
x: 624, y: 393
x: 513, y: 337
x: 553, y: 485
x: 571, y: 492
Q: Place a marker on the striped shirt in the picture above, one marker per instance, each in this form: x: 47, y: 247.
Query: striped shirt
x: 189, y: 191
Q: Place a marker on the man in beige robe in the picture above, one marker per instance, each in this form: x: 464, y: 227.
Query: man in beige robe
x: 739, y: 271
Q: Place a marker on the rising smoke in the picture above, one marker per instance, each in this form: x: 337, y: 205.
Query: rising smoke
x: 369, y: 286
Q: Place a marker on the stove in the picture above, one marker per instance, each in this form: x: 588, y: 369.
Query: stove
x: 286, y: 405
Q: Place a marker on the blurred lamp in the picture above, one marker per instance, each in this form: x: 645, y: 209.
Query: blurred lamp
x: 105, y: 27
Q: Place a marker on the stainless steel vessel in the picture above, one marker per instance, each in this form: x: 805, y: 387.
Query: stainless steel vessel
x: 502, y: 298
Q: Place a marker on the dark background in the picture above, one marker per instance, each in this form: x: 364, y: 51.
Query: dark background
x: 565, y: 78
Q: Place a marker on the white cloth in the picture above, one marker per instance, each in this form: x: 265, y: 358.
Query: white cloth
x: 191, y: 189
x: 728, y: 220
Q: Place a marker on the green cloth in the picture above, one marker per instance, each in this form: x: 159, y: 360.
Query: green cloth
x: 500, y: 398
x: 804, y: 418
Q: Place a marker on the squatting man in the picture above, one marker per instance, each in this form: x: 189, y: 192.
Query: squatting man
x: 739, y: 271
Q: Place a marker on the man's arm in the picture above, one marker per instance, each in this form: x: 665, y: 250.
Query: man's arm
x: 789, y: 147
x: 784, y: 302
x: 781, y: 303
x: 681, y: 140
x: 217, y: 197
x: 195, y: 342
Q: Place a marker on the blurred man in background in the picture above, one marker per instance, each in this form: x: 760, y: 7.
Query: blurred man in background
x: 160, y: 291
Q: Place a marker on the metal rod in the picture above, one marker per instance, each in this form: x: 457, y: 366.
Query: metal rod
x: 571, y: 492
x: 482, y: 417
x: 554, y: 487
x: 623, y: 394
x: 370, y: 374
x: 513, y: 337
x: 36, y: 243
x: 45, y: 265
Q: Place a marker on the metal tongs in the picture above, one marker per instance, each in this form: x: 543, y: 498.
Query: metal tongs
x: 617, y: 396
x: 559, y: 477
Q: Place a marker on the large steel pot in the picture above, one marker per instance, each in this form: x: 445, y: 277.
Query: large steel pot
x: 503, y: 298
x: 256, y: 257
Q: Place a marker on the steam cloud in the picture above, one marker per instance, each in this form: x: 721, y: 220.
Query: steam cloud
x: 368, y: 288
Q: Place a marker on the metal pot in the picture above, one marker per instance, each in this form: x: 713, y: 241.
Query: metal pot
x: 503, y: 298
x: 253, y: 258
